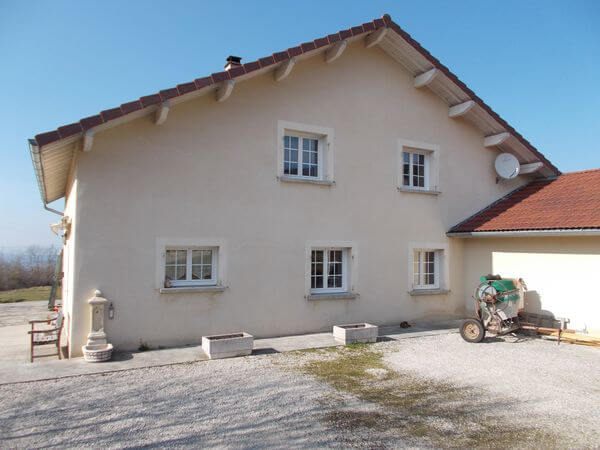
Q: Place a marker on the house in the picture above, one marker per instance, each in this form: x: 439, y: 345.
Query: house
x: 322, y: 184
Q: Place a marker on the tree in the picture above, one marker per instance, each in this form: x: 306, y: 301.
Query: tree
x: 32, y: 266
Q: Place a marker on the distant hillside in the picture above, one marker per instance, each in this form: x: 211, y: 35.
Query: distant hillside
x: 30, y: 267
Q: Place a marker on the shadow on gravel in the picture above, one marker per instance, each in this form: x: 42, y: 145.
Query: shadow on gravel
x: 516, y: 338
x: 399, y: 406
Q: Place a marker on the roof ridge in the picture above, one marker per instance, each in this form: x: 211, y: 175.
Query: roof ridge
x: 580, y: 171
x: 200, y: 86
x: 184, y: 88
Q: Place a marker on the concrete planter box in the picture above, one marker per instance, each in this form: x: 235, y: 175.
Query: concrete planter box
x: 356, y: 332
x: 227, y: 345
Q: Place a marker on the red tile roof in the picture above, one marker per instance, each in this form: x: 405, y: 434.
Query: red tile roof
x: 570, y: 201
x: 181, y: 89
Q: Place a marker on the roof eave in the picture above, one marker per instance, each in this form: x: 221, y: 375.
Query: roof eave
x: 34, y: 151
x: 201, y: 86
x: 527, y: 233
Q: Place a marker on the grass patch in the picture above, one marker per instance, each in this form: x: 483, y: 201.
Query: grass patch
x: 422, y: 412
x: 27, y: 295
x: 317, y: 350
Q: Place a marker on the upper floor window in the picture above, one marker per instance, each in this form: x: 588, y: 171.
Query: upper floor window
x: 304, y: 153
x: 415, y: 169
x: 418, y: 168
x: 301, y: 155
x: 190, y: 266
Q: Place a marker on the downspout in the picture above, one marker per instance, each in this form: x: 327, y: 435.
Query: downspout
x: 55, y: 211
x: 34, y: 150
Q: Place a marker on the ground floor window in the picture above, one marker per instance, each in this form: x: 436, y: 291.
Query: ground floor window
x: 191, y: 266
x: 426, y: 268
x: 328, y: 270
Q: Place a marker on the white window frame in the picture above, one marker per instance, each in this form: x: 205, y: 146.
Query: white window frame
x: 219, y: 259
x: 421, y: 263
x: 189, y: 281
x: 441, y: 265
x: 350, y: 278
x: 325, y: 137
x: 320, y: 143
x: 345, y: 266
x: 432, y: 155
x: 426, y: 168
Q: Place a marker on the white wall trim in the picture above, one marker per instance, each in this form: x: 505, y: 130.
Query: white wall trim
x: 327, y: 135
x: 352, y: 267
x: 444, y: 281
x: 433, y: 177
x: 163, y: 242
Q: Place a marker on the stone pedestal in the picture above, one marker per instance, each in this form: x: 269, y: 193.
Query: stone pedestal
x: 97, y: 349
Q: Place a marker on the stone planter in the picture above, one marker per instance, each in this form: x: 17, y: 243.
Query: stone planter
x: 356, y: 332
x: 227, y: 345
x: 97, y: 355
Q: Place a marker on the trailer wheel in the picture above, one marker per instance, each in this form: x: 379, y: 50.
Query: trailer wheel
x: 472, y: 330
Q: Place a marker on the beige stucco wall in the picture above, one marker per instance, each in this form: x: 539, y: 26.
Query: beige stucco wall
x: 209, y: 173
x: 68, y: 262
x: 560, y: 273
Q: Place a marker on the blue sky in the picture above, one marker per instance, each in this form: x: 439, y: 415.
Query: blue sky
x: 536, y: 63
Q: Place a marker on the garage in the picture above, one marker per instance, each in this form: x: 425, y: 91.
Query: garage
x: 548, y: 234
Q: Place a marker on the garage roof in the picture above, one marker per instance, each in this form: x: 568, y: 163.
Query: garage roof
x: 52, y: 152
x: 570, y: 201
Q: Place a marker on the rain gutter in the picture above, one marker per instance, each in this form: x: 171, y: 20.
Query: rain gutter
x: 36, y: 159
x: 527, y: 233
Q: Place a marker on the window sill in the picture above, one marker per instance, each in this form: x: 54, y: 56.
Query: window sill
x: 332, y: 296
x: 184, y: 289
x: 291, y: 179
x: 419, y: 191
x: 418, y: 292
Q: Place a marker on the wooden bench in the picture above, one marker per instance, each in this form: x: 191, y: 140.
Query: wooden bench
x: 46, y: 336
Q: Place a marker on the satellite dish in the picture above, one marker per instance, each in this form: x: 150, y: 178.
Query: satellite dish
x: 507, y: 166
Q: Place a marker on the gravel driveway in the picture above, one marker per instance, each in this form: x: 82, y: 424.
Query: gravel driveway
x: 340, y: 397
x: 549, y: 386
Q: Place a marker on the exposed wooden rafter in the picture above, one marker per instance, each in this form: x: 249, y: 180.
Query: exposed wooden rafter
x: 336, y: 51
x: 225, y: 90
x: 495, y: 139
x: 426, y: 77
x: 162, y: 112
x: 530, y: 168
x: 461, y: 108
x: 376, y: 37
x: 88, y: 141
x: 284, y: 69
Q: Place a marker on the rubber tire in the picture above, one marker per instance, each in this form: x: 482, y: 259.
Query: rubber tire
x: 469, y: 337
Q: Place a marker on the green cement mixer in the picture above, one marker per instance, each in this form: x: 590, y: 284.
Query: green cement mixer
x: 497, y: 304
